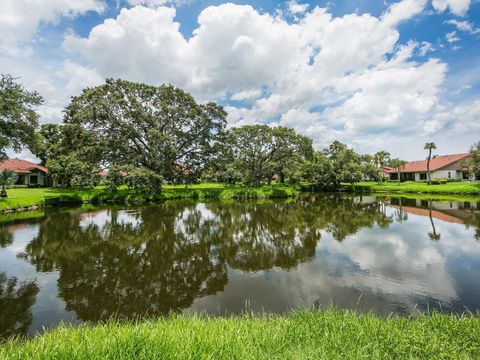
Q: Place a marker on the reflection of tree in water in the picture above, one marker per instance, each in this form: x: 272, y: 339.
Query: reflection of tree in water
x: 15, y: 303
x: 344, y: 216
x: 433, y: 235
x: 168, y: 255
x: 126, y: 270
x: 474, y: 221
x: 6, y: 238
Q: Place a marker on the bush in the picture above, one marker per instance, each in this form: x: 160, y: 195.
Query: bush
x: 143, y: 180
x: 114, y: 179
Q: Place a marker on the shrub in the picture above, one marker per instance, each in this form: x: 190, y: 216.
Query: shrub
x: 143, y: 180
x: 114, y: 179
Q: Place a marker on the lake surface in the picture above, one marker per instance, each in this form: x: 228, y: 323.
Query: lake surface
x: 385, y: 255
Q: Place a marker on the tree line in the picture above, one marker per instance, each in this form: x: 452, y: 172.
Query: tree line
x: 145, y: 135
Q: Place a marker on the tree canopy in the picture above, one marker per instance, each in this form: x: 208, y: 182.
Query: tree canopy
x: 18, y: 119
x: 260, y: 151
x: 162, y: 129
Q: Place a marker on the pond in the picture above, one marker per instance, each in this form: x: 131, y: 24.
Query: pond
x: 385, y: 255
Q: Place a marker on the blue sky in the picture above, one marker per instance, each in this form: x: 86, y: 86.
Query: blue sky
x: 374, y: 74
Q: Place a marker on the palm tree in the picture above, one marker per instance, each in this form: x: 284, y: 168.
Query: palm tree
x: 7, y: 177
x: 381, y: 157
x: 429, y: 146
x: 397, y: 164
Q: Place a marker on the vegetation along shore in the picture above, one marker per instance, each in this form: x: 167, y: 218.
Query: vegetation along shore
x: 298, y: 335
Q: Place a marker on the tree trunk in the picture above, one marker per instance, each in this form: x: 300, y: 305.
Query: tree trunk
x: 257, y: 181
x: 428, y: 166
x: 398, y: 175
x: 282, y: 178
x: 3, y: 193
x: 270, y: 180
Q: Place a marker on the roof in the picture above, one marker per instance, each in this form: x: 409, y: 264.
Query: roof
x: 436, y: 163
x: 21, y: 166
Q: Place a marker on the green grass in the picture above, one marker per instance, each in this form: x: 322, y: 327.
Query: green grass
x: 299, y: 335
x: 472, y: 188
x: 20, y: 198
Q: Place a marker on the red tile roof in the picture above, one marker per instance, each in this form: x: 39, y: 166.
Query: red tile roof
x: 21, y: 166
x: 436, y: 163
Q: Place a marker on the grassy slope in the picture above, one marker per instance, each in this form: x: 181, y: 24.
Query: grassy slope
x: 413, y: 187
x: 301, y: 335
x: 29, y: 197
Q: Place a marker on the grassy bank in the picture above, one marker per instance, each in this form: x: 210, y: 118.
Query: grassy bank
x: 21, y: 198
x: 302, y: 335
x: 471, y: 188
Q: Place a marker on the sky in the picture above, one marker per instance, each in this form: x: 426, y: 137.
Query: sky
x: 374, y: 74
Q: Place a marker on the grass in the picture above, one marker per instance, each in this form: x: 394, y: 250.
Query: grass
x: 472, y: 188
x: 23, y: 197
x: 298, y: 335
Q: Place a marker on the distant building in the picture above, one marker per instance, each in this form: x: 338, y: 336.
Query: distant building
x: 28, y: 172
x: 441, y: 167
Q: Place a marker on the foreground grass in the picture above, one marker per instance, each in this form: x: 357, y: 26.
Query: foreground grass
x: 20, y: 198
x: 299, y: 335
x: 472, y: 188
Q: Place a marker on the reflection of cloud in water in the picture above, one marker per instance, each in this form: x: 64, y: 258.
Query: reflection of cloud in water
x: 96, y: 218
x: 394, y: 269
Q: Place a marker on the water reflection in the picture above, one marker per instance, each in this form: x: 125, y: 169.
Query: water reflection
x: 277, y: 255
x: 15, y: 303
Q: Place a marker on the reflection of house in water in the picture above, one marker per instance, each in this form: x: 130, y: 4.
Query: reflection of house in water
x: 459, y: 212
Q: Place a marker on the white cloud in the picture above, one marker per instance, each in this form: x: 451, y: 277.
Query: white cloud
x: 19, y: 19
x: 403, y: 10
x: 452, y: 37
x: 294, y: 8
x: 157, y: 3
x: 457, y: 7
x: 78, y: 77
x: 246, y: 95
x: 345, y: 78
x: 464, y: 26
x: 294, y: 74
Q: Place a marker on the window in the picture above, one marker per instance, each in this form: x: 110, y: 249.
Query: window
x: 33, y: 179
x: 449, y: 175
x: 423, y: 176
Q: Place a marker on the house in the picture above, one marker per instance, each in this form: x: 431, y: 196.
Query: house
x: 441, y: 167
x: 29, y: 173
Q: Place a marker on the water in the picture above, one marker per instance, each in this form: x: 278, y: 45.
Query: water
x: 385, y: 255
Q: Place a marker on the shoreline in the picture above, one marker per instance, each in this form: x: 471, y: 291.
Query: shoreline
x: 76, y: 197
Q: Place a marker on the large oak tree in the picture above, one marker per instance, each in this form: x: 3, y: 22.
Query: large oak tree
x: 162, y: 129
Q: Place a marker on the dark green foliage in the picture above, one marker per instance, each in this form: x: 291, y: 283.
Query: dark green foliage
x: 143, y: 180
x: 15, y: 304
x: 162, y: 129
x: 18, y: 119
x: 114, y: 179
x: 258, y: 152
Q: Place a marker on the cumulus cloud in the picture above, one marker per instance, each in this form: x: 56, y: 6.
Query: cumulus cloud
x: 328, y: 77
x: 19, y: 19
x: 344, y: 77
x: 457, y: 7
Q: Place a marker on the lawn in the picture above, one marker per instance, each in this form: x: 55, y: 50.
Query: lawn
x: 23, y: 197
x: 299, y: 335
x: 415, y: 187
